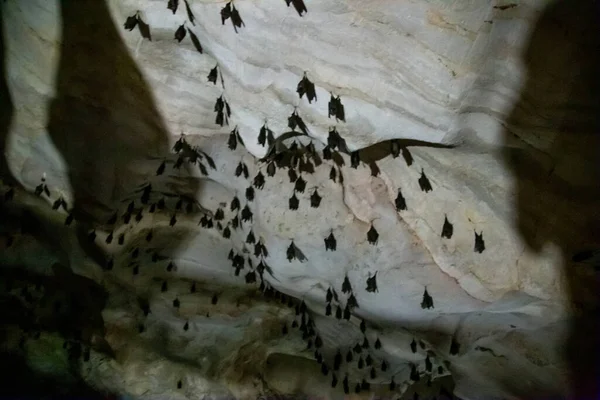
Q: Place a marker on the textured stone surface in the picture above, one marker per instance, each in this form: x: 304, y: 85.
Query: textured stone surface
x: 97, y: 108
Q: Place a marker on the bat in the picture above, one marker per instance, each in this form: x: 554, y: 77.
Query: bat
x: 109, y: 264
x: 365, y: 345
x: 195, y: 41
x: 292, y: 175
x: 246, y: 214
x: 249, y: 193
x: 338, y: 160
x: 176, y: 303
x: 239, y: 169
x: 298, y: 5
x: 384, y: 366
x: 334, y: 380
x: 250, y: 239
x: 235, y: 222
x: 293, y: 202
x: 346, y: 385
x: 92, y: 236
x: 163, y: 288
x: 334, y: 140
x: 328, y: 309
x: 329, y: 295
x: 126, y: 218
x: 372, y: 374
x: 56, y: 204
x: 245, y: 171
x: 374, y: 168
x: 327, y: 155
x: 333, y: 175
x: 238, y: 261
x: 479, y: 243
x: 377, y: 344
x: 364, y: 385
x: 392, y: 385
x: 341, y: 176
x: 109, y: 238
x: 506, y: 6
x: 372, y: 284
x: 440, y: 370
x: 349, y: 357
x: 352, y: 303
x: 189, y: 12
x: 300, y: 185
x: 315, y: 199
x: 180, y: 33
x: 318, y: 342
x: 225, y: 13
x: 414, y: 374
x: 363, y: 326
x: 69, y: 220
x: 235, y: 204
x: 121, y: 239
x: 346, y: 287
x: 210, y: 161
x: 294, y: 121
x: 355, y: 159
x: 271, y: 168
x: 212, y: 75
x: 294, y: 253
x: 146, y: 194
x: 219, y: 214
x: 236, y: 19
x: 447, y: 228
x: 135, y: 253
x: 324, y: 369
x: 427, y: 301
x: 361, y: 363
x: 400, y: 202
x: 172, y: 5
x: 394, y: 148
x: 131, y: 22
x: 347, y: 313
x: 170, y: 267
x: 357, y: 348
x: 338, y: 312
x: 372, y: 235
x: 424, y: 182
x: 305, y: 86
x: 454, y: 347
x: 161, y: 169
x: 264, y: 134
x: 407, y: 156
x: 428, y: 364
x: 173, y: 220
x: 161, y: 204
x: 336, y: 108
x: 179, y: 204
x: 250, y: 277
x: 226, y: 232
x: 260, y: 250
x: 259, y: 180
x: 306, y: 166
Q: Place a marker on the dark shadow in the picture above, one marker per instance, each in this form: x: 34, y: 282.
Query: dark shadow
x: 552, y: 146
x: 6, y: 112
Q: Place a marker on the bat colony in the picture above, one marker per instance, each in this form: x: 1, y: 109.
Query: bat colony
x: 301, y: 161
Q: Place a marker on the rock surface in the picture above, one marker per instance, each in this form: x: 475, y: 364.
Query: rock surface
x: 509, y: 92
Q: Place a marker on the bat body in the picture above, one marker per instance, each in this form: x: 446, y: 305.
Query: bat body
x: 333, y: 174
x: 300, y: 185
x: 346, y: 287
x: 212, y: 75
x: 293, y: 252
x: 347, y: 313
x: 271, y: 169
x: 363, y: 326
x: 372, y: 284
x: 246, y: 214
x: 160, y: 169
x: 293, y: 202
x: 400, y: 202
x: 235, y: 204
x: 172, y: 5
x: 384, y: 366
x: 226, y: 232
x: 259, y: 180
x: 219, y: 214
x: 427, y: 301
x: 338, y: 313
x: 372, y: 235
x: 236, y: 19
x: 351, y: 303
x: 328, y: 309
x: 330, y: 244
x: 407, y: 156
x: 424, y: 182
x: 334, y: 380
x: 374, y: 168
x: 377, y: 344
x: 131, y: 22
x: 250, y: 193
x: 315, y: 199
x: 479, y: 243
x: 447, y: 228
x: 298, y: 5
x: 294, y: 120
x: 394, y: 148
x: 372, y: 374
x: 414, y: 374
x: 173, y: 220
x: 361, y: 363
x: 292, y: 175
x: 428, y: 364
x: 305, y: 86
x: 180, y: 33
x: 454, y: 347
x: 355, y: 159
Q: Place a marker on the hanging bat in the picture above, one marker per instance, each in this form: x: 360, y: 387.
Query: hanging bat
x: 298, y: 5
x: 170, y: 267
x: 293, y: 202
x: 427, y: 301
x: 407, y: 156
x: 318, y: 342
x: 428, y: 364
x: 454, y: 347
x: 372, y: 235
x: 238, y: 261
x: 424, y: 182
x: 332, y: 106
x: 378, y: 344
x: 144, y: 29
x: 300, y: 185
x: 352, y: 303
x: 235, y: 204
x: 292, y: 175
x: 346, y: 287
x: 250, y: 277
x: 372, y: 374
x: 121, y: 239
x: 172, y: 5
x: 225, y: 13
x: 152, y: 208
x: 161, y: 169
x: 440, y: 370
x: 395, y: 148
x: 346, y: 385
x: 260, y: 250
x: 306, y: 87
x: 327, y: 155
x: 195, y: 41
x: 330, y: 244
x: 135, y: 253
x: 374, y: 169
x: 180, y: 33
x: 264, y: 134
x: 294, y: 121
x: 334, y: 380
x: 212, y: 75
x: 239, y: 169
x: 190, y: 13
x: 315, y: 199
x: 365, y: 345
x: 414, y: 374
x: 131, y: 22
x: 235, y: 222
x: 363, y: 326
x: 341, y: 176
x: 69, y: 220
x: 306, y: 166
x: 347, y: 313
x: 161, y: 204
x: 250, y: 193
x: 259, y: 180
x: 176, y: 303
x: 328, y: 310
x: 479, y: 243
x: 245, y: 171
x: 400, y: 202
x: 226, y: 232
x: 126, y: 218
x: 56, y: 204
x: 246, y: 214
x: 294, y: 253
x: 232, y: 142
x: 173, y: 220
x: 333, y: 175
x: 324, y: 369
x: 355, y: 159
x: 447, y: 228
x: 335, y: 141
x: 372, y: 284
x: 163, y: 288
x: 271, y: 168
x: 338, y: 312
x: 361, y: 363
x: 219, y: 214
x: 236, y: 19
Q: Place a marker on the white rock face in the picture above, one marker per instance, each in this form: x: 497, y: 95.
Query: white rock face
x: 97, y: 108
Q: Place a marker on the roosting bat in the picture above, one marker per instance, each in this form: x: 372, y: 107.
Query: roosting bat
x: 315, y: 199
x: 69, y: 220
x: 271, y: 168
x: 347, y: 313
x: 306, y: 87
x: 384, y: 366
x: 372, y: 373
x: 161, y: 168
x: 324, y: 369
x: 212, y: 75
x: 259, y: 180
x: 428, y: 364
x: 407, y: 156
x: 361, y: 363
x: 235, y: 203
x: 121, y: 239
x: 336, y: 108
x: 180, y: 33
x: 126, y: 218
x: 479, y: 243
x: 250, y: 193
x: 219, y: 214
x: 330, y: 244
x: 351, y: 303
x: 334, y: 381
x: 300, y: 185
x: 223, y: 113
x: 363, y: 326
x: 447, y: 228
x: 333, y: 175
x: 293, y: 202
x: 424, y: 182
x: 327, y: 153
x: 109, y: 238
x: 394, y: 148
x: 190, y: 13
x: 246, y: 214
x: 372, y: 283
x: 338, y: 312
x: 235, y: 222
x: 372, y: 235
x: 346, y: 287
x: 225, y: 13
x: 161, y: 204
x: 195, y: 41
x: 454, y: 347
x: 265, y: 136
x: 318, y: 342
x: 377, y: 344
x: 306, y: 166
x: 173, y: 220
x: 374, y: 168
x: 250, y: 277
x: 226, y: 232
x: 131, y: 22
x: 346, y: 385
x: 355, y: 159
x: 236, y: 19
x: 427, y: 301
x: 172, y: 5
x: 400, y: 202
x: 392, y: 385
x: 294, y: 121
x: 293, y: 252
x: 414, y: 374
x: 240, y: 169
x: 328, y: 309
x: 292, y: 175
x: 260, y: 250
x: 298, y: 5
